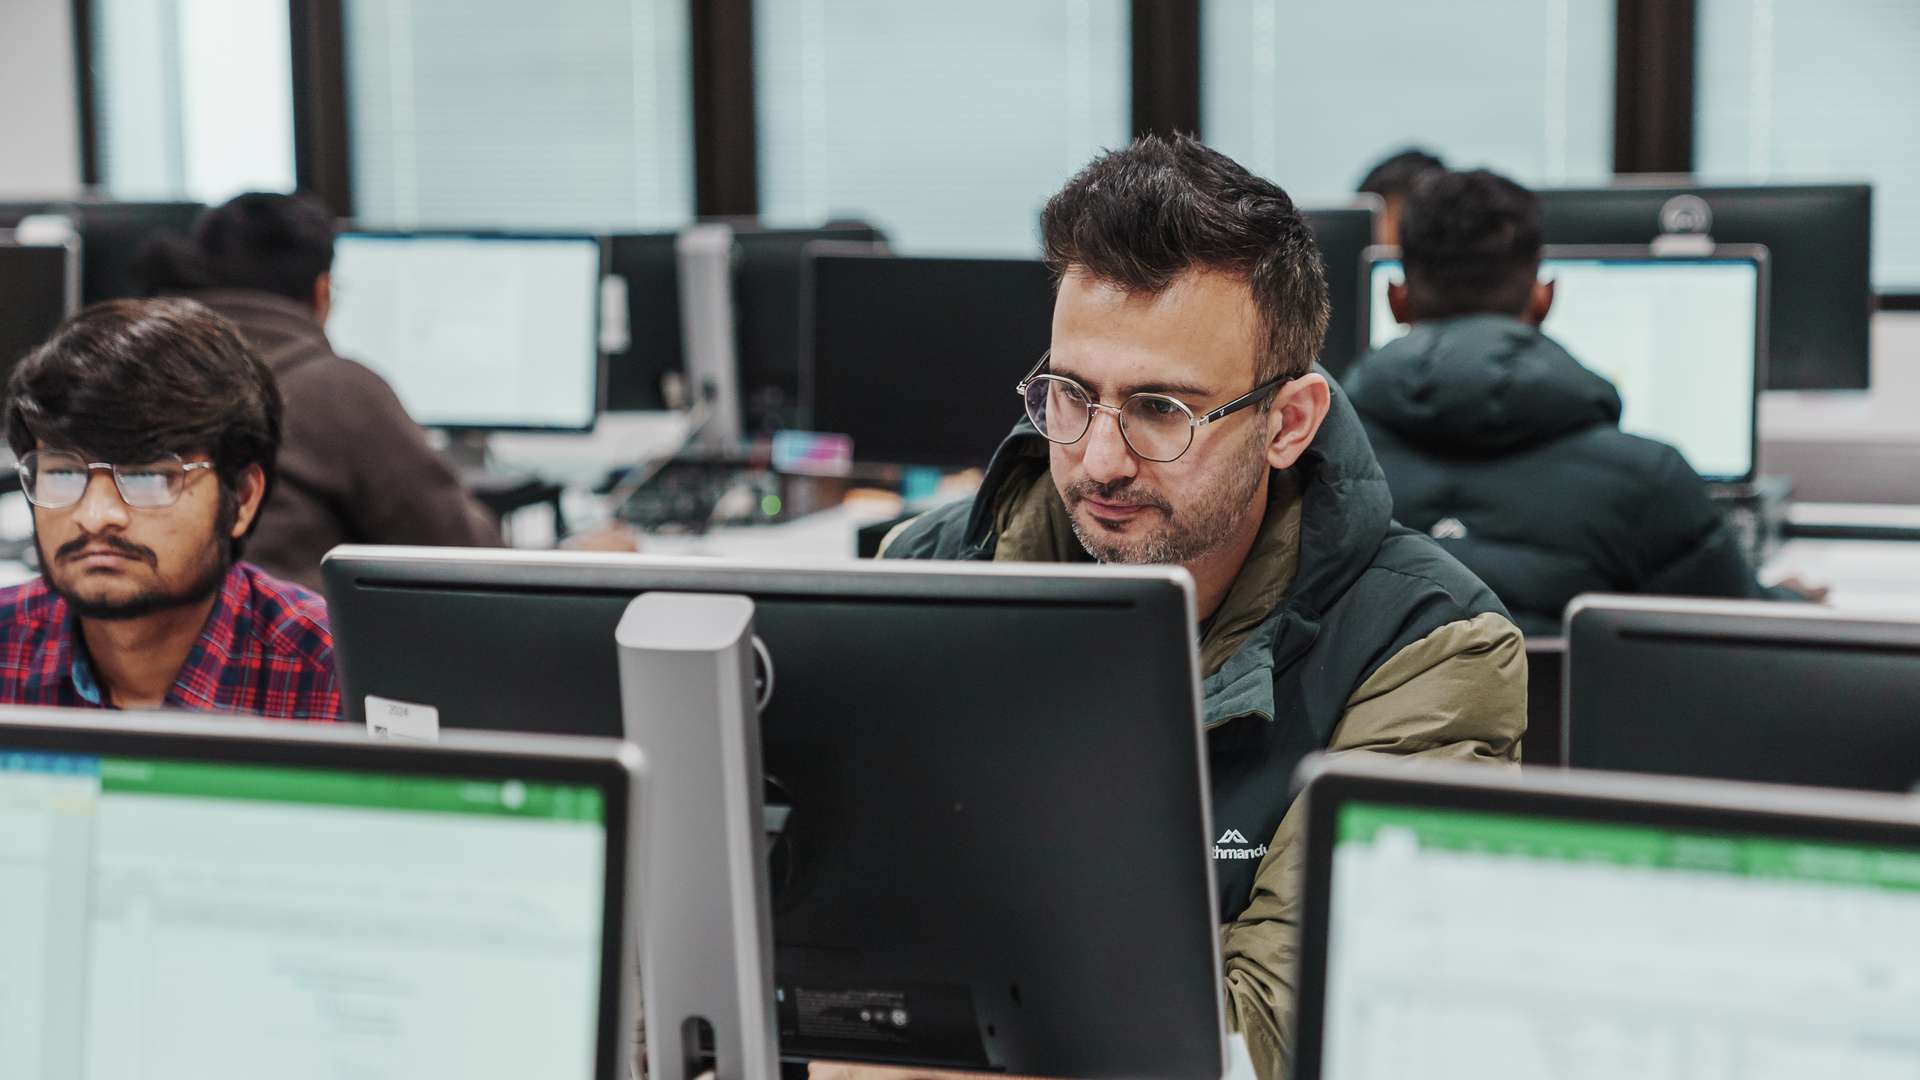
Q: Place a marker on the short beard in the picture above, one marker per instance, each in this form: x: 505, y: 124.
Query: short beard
x: 213, y: 574
x: 1203, y: 528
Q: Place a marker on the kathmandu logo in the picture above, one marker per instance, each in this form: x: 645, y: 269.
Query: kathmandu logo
x: 1222, y: 850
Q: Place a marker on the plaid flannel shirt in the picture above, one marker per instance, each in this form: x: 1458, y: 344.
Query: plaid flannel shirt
x: 265, y: 650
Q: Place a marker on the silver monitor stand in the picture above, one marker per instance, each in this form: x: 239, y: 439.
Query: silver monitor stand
x: 705, y: 257
x: 686, y: 688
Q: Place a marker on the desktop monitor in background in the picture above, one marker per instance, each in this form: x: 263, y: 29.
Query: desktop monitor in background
x: 648, y: 267
x: 767, y: 293
x: 1681, y: 337
x: 481, y: 331
x: 1743, y: 690
x: 218, y: 898
x: 1819, y: 238
x: 917, y: 358
x: 1343, y: 234
x: 39, y: 288
x: 112, y: 235
x: 994, y: 857
x: 1471, y: 921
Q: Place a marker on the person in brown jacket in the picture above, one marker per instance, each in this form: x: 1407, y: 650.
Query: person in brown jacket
x: 353, y: 466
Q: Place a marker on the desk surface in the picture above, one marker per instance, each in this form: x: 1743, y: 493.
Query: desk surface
x: 1863, y: 575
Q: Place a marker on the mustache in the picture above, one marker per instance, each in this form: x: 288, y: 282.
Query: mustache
x: 1120, y: 493
x: 124, y: 547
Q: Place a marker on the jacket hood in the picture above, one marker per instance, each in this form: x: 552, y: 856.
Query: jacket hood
x: 1345, y: 504
x: 1480, y: 382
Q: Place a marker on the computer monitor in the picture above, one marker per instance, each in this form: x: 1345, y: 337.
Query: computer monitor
x: 767, y: 294
x: 475, y: 330
x: 1683, y: 338
x: 917, y: 358
x: 1742, y: 690
x: 948, y: 889
x: 112, y: 236
x: 1343, y: 233
x: 214, y: 898
x: 1819, y: 237
x: 39, y: 288
x: 649, y: 269
x: 1473, y: 921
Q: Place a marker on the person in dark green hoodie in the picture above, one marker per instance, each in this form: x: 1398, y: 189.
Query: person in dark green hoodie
x: 1180, y: 418
x: 1500, y: 444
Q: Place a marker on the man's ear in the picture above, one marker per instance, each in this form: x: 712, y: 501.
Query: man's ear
x: 253, y: 489
x: 322, y: 298
x: 1397, y: 303
x: 1299, y: 408
x: 1539, y: 303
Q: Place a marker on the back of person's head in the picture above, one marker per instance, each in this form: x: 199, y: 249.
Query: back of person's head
x: 1394, y: 177
x: 1140, y: 217
x: 261, y: 241
x: 130, y: 381
x: 1470, y: 242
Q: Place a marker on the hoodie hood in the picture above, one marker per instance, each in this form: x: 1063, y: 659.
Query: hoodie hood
x: 1345, y: 507
x: 1486, y: 383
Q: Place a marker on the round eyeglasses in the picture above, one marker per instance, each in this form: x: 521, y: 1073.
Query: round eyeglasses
x: 1156, y: 427
x: 56, y: 479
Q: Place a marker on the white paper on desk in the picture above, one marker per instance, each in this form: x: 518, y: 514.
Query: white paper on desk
x: 1239, y: 1061
x: 388, y: 719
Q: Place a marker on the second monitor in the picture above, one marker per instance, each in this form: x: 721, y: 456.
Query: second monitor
x: 476, y: 330
x: 917, y: 358
x: 1683, y: 338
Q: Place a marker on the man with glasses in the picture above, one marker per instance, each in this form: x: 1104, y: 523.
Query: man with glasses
x: 1178, y: 418
x: 145, y: 433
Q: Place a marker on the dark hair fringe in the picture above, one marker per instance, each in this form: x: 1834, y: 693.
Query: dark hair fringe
x: 1139, y: 217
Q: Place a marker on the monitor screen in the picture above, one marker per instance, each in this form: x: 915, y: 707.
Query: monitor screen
x: 1677, y: 336
x: 917, y: 358
x: 177, y: 918
x: 1463, y: 942
x: 33, y: 298
x: 474, y: 331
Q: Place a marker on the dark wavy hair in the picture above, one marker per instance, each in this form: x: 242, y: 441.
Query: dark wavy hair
x: 1139, y: 217
x: 131, y: 380
x: 1471, y: 244
x: 1395, y: 176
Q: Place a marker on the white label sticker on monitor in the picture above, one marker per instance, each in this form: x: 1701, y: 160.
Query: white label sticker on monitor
x: 400, y: 720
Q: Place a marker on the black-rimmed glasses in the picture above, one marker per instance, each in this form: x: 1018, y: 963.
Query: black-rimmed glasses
x: 56, y: 479
x: 1157, y: 427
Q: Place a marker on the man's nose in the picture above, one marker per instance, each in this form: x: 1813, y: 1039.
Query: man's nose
x: 100, y: 507
x: 1108, y: 457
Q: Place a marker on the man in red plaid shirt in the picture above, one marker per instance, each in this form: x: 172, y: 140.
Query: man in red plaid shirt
x: 146, y: 433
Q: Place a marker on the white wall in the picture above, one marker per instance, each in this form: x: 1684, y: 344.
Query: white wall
x: 39, y: 110
x: 1887, y: 412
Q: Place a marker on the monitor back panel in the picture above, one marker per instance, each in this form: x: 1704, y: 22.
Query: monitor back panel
x: 946, y: 730
x: 768, y: 292
x: 1743, y: 692
x: 917, y: 358
x: 34, y: 283
x: 650, y: 267
x: 1343, y: 234
x: 1819, y: 241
